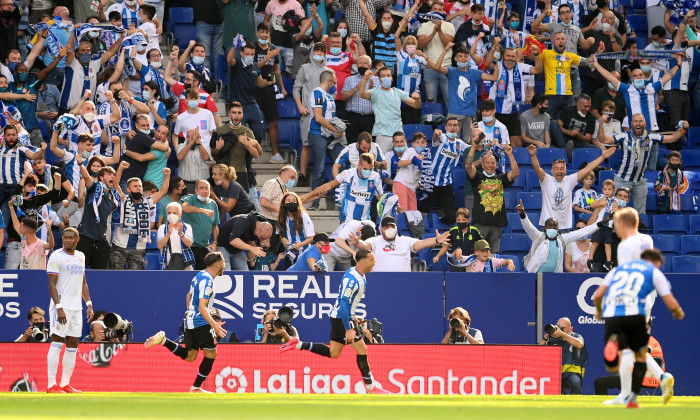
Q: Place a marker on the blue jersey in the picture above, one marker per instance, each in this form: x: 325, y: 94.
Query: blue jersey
x: 358, y: 194
x: 446, y: 155
x: 628, y: 286
x: 319, y: 98
x: 12, y: 162
x: 352, y: 288
x: 635, y: 154
x: 202, y: 287
x: 641, y: 102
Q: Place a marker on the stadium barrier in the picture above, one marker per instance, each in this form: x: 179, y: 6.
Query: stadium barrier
x: 509, y: 308
x: 400, y: 369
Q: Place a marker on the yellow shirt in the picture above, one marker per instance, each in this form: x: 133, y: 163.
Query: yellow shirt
x: 557, y: 69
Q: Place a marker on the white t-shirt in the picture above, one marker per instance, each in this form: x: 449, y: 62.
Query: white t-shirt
x: 343, y: 231
x: 70, y: 270
x: 409, y: 175
x: 150, y: 29
x: 631, y: 248
x: 175, y: 241
x: 394, y: 255
x: 557, y: 201
x: 193, y: 167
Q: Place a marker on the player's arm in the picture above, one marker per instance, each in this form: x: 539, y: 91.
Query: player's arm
x: 598, y: 297
x: 673, y: 306
x: 204, y: 311
x: 86, y: 297
x: 53, y: 291
x: 188, y: 298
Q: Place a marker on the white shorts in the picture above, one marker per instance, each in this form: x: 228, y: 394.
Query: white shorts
x: 73, y: 326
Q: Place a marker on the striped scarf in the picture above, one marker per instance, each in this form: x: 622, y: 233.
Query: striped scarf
x: 467, y: 261
x: 96, y: 199
x: 672, y: 192
x: 187, y: 254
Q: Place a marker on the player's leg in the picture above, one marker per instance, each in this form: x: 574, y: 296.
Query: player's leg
x: 362, y: 363
x: 204, y: 369
x: 69, y: 363
x: 337, y: 340
x: 638, y: 340
x: 203, y: 337
x: 52, y: 360
x: 176, y: 349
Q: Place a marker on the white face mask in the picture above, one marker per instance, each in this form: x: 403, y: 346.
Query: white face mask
x: 390, y: 233
x: 89, y: 117
x: 219, y: 182
x: 155, y: 64
x: 173, y: 218
x: 202, y: 199
x: 387, y: 25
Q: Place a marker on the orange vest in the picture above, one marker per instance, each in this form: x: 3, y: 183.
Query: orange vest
x: 656, y: 352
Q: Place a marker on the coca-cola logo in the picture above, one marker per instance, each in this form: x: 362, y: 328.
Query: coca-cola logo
x: 101, y: 355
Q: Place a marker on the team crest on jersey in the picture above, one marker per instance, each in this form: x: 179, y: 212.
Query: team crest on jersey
x: 370, y: 184
x: 347, y: 293
x: 501, y: 85
x: 207, y: 291
x: 497, y: 132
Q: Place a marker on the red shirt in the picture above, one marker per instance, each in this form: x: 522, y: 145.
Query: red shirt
x: 341, y: 64
x: 205, y: 100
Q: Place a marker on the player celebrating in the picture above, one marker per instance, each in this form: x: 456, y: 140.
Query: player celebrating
x: 200, y: 329
x: 66, y: 270
x: 352, y: 287
x: 621, y: 301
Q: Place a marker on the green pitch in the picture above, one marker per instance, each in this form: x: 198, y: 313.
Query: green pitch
x: 331, y: 407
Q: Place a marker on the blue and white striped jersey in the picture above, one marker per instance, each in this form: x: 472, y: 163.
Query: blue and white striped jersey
x: 349, y: 157
x: 12, y: 161
x: 358, y: 194
x: 688, y: 66
x: 635, y: 154
x: 513, y: 40
x: 319, y: 98
x: 128, y: 16
x: 295, y: 236
x: 505, y: 104
x: 202, y: 287
x: 641, y: 102
x: 72, y: 168
x: 352, y: 288
x: 77, y: 79
x: 95, y: 128
x: 408, y: 71
x: 628, y: 286
x: 446, y: 155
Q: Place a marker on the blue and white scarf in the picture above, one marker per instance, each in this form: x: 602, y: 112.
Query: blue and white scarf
x: 502, y: 86
x: 467, y: 261
x: 187, y: 254
x: 96, y: 199
x: 640, y: 55
x: 85, y: 28
x: 135, y: 217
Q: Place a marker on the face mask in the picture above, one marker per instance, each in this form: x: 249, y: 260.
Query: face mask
x: 581, y: 114
x: 610, y: 86
x: 219, y: 182
x: 291, y: 207
x: 366, y: 173
x: 544, y: 109
x: 93, y: 173
x: 85, y: 154
x: 93, y: 34
x: 12, y: 65
x: 411, y: 49
x: 362, y: 70
x: 155, y: 64
x: 420, y: 149
x: 336, y: 50
x: 84, y: 58
x: 639, y: 83
x: 308, y: 32
x: 319, y: 58
x: 264, y: 41
x: 462, y: 65
x: 202, y: 199
x: 130, y: 2
x: 462, y: 225
x: 400, y: 149
x: 565, y: 23
x: 3, y: 89
x: 136, y: 196
x: 333, y: 90
x: 609, y: 114
x: 551, y: 234
x: 325, y: 249
x: 146, y: 95
x: 146, y: 131
x: 387, y: 25
x: 657, y: 44
x: 450, y: 135
x: 189, y: 85
x: 621, y: 203
x: 390, y: 233
x: 645, y: 69
x: 585, y: 238
x: 496, y: 55
x: 514, y: 24
x: 386, y: 82
x: 488, y: 119
x: 672, y: 166
x: 198, y: 60
x: 247, y: 61
x: 173, y: 218
x: 606, y: 27
x: 22, y: 77
x: 290, y: 183
x: 89, y: 117
x: 193, y: 103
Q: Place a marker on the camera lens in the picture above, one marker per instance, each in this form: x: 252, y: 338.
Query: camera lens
x: 550, y: 328
x: 37, y: 334
x: 454, y: 323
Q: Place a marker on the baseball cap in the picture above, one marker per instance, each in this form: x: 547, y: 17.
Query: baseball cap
x: 387, y: 221
x: 322, y: 237
x: 481, y: 245
x: 214, y: 312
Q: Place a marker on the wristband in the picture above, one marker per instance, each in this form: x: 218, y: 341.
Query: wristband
x: 416, y: 161
x: 88, y: 303
x: 58, y: 306
x: 131, y: 101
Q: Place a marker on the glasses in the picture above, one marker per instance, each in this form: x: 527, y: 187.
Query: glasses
x: 567, y: 12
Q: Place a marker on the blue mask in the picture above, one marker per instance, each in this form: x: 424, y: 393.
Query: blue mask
x: 386, y: 82
x: 146, y: 95
x: 514, y: 24
x: 264, y: 41
x: 366, y: 173
x: 639, y: 83
x: 308, y: 32
x: 551, y: 233
x: 400, y: 149
x: 450, y: 135
x: 319, y: 58
x: 462, y: 65
x: 247, y: 60
x: 420, y: 149
x: 621, y: 203
x: 333, y: 90
x: 194, y: 103
x: 610, y: 85
x: 198, y: 60
x: 22, y: 77
x: 487, y: 119
x: 84, y: 58
x: 645, y: 69
x: 290, y: 183
x: 343, y: 32
x: 12, y: 65
x: 565, y: 24
x: 336, y: 50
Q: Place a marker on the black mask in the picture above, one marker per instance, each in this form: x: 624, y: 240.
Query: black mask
x: 6, y: 14
x: 362, y: 70
x: 684, y: 44
x: 188, y: 85
x: 265, y: 248
x: 673, y: 166
x: 544, y: 109
x: 540, y: 5
x: 462, y: 225
x: 116, y: 95
x: 136, y: 196
x: 93, y: 173
x: 601, y: 3
x: 291, y: 207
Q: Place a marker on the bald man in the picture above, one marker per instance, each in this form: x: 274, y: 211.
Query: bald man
x: 240, y: 233
x: 574, y: 357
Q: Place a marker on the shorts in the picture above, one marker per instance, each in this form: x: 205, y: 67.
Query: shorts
x: 631, y: 331
x: 265, y: 97
x: 602, y: 236
x: 203, y: 337
x: 512, y: 123
x: 337, y: 330
x: 73, y: 326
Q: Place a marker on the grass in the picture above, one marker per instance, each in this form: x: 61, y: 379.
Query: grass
x: 357, y: 407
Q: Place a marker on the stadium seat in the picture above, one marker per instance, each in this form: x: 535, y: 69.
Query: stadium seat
x: 694, y: 224
x: 532, y: 182
x: 514, y: 223
x: 522, y: 156
x: 510, y: 200
x: 651, y: 203
x: 459, y: 178
x: 691, y: 160
x: 531, y: 200
x: 605, y: 175
x: 693, y: 137
x: 183, y: 33
x: 152, y: 261
x: 433, y: 108
x: 441, y: 265
x: 288, y: 83
x: 690, y: 245
x: 516, y: 262
x: 410, y: 129
x: 518, y: 184
x: 287, y: 108
x: 290, y: 136
x: 689, y: 204
x: 154, y: 241
x: 438, y: 224
x: 669, y: 223
x: 179, y: 15
x: 638, y: 23
x: 548, y: 155
x: 515, y: 244
x: 645, y: 225
x: 686, y: 264
x: 534, y: 217
x: 402, y: 225
x: 668, y: 244
x: 579, y: 156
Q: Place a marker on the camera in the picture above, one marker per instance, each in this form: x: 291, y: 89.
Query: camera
x: 116, y: 327
x: 550, y: 328
x: 375, y: 327
x: 283, y: 318
x: 38, y: 331
x: 455, y: 324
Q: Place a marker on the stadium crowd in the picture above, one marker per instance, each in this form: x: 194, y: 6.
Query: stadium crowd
x: 434, y: 118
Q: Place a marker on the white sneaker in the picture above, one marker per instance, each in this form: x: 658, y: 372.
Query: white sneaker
x: 619, y: 400
x: 666, y: 383
x: 277, y: 159
x: 158, y: 338
x: 254, y: 160
x: 199, y: 390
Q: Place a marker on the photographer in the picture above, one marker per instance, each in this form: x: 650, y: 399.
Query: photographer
x: 101, y: 333
x: 574, y: 357
x: 460, y: 331
x: 273, y: 334
x: 36, y: 332
x: 371, y: 329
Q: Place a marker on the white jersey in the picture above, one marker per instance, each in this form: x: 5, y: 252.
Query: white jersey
x: 70, y: 269
x: 631, y: 249
x: 343, y: 231
x: 409, y: 175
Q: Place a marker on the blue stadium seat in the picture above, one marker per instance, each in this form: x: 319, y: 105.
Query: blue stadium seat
x: 433, y: 108
x: 459, y: 179
x: 690, y: 245
x: 441, y: 265
x: 638, y: 23
x: 514, y: 223
x: 531, y: 200
x: 668, y: 244
x: 689, y: 204
x: 179, y: 15
x: 686, y: 264
x: 579, y: 156
x: 183, y: 33
x: 288, y: 84
x: 642, y: 41
x: 510, y: 200
x: 691, y: 160
x: 548, y: 155
x: 287, y: 108
x: 651, y: 203
x: 154, y: 241
x: 669, y: 223
x: 693, y: 137
x: 152, y: 261
x: 289, y: 136
x: 438, y: 224
x: 645, y: 220
x: 515, y: 244
x: 518, y: 184
x: 402, y: 225
x: 534, y: 217
x: 605, y: 175
x: 694, y: 224
x: 516, y: 262
x: 410, y: 129
x: 522, y: 156
x: 532, y: 182
x: 524, y: 107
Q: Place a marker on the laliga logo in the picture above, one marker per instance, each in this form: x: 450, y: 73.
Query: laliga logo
x: 583, y: 304
x: 231, y: 379
x: 231, y: 304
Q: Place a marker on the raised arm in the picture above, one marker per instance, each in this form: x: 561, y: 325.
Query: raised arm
x: 541, y: 174
x: 438, y: 240
x: 514, y: 169
x: 673, y: 70
x: 596, y: 162
x: 371, y: 23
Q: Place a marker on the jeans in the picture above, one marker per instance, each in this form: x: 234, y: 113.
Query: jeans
x: 653, y: 157
x: 431, y: 80
x: 235, y: 262
x: 557, y: 103
x: 571, y: 381
x: 639, y: 193
x: 13, y: 255
x: 253, y: 193
x: 212, y: 37
x: 678, y: 102
x: 253, y: 117
x: 286, y: 58
x: 319, y: 147
x: 556, y: 134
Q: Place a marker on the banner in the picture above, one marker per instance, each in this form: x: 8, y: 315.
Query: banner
x: 259, y: 368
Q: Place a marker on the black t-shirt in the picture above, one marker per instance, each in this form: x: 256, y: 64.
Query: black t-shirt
x: 628, y: 65
x: 47, y: 179
x: 89, y: 226
x: 235, y: 191
x: 608, y: 65
x: 571, y: 119
x: 209, y: 11
x: 463, y: 241
x: 269, y: 68
x: 489, y: 205
x: 140, y: 144
x: 242, y: 81
x: 241, y: 226
x: 30, y: 207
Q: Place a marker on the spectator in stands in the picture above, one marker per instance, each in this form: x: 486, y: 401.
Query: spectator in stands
x: 481, y: 261
x: 210, y: 31
x: 138, y: 216
x: 606, y: 205
x: 305, y: 40
x: 175, y: 238
x: 228, y: 194
x: 670, y: 183
x: 534, y: 123
x: 272, y: 259
x: 394, y: 251
x: 358, y: 110
x: 33, y: 254
x: 461, y: 240
x: 152, y: 76
x: 611, y: 40
x: 194, y: 80
x: 488, y: 188
x: 393, y: 156
x: 495, y: 132
x: 636, y: 148
x: 383, y: 35
x: 558, y: 188
x: 464, y: 334
x: 128, y: 9
x: 311, y: 259
x: 341, y: 62
x: 45, y: 173
x: 356, y: 18
x: 350, y: 156
x: 342, y: 251
x: 155, y: 157
x: 202, y: 214
x: 158, y: 110
x: 468, y: 33
x: 141, y: 144
x: 294, y: 226
x: 462, y: 81
x: 238, y: 234
x: 627, y: 66
x: 608, y: 93
x: 574, y: 357
x: 676, y: 90
x: 281, y: 37
x: 195, y: 127
x: 657, y: 42
x: 176, y: 190
x: 575, y: 126
x: 195, y: 58
x: 410, y: 63
x: 611, y: 126
x: 128, y: 109
x: 577, y: 253
x: 584, y: 196
x: 9, y: 28
x: 240, y: 142
x: 274, y: 189
x: 433, y: 37
x: 409, y: 167
x: 386, y: 105
x: 35, y: 316
x: 47, y: 102
x: 307, y: 80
